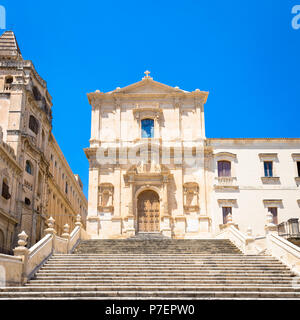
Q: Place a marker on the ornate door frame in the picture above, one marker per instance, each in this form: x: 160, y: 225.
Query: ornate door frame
x: 137, y: 193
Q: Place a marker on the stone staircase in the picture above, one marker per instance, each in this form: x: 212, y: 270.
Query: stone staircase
x: 157, y: 268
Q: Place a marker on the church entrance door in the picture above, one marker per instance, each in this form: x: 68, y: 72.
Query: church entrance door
x: 148, y: 211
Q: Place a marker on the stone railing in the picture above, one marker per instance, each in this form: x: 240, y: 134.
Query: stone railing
x: 244, y: 242
x: 18, y: 269
x: 285, y: 251
x: 272, y: 243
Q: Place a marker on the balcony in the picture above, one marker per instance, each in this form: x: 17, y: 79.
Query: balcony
x: 289, y: 229
x: 270, y: 180
x: 226, y: 184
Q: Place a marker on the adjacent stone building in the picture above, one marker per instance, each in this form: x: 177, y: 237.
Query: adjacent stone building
x: 36, y: 181
x: 152, y: 169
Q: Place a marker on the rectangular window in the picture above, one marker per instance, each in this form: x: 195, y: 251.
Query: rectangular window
x: 226, y: 211
x: 268, y: 168
x: 224, y: 168
x: 298, y: 168
x: 274, y: 210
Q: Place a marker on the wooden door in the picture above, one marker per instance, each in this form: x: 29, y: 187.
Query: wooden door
x: 148, y: 212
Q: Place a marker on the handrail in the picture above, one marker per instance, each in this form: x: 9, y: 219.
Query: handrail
x: 39, y: 245
x: 73, y: 233
x: 285, y: 244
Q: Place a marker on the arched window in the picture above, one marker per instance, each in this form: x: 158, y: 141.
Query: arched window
x: 147, y: 128
x: 33, y: 124
x: 224, y: 168
x: 29, y: 167
x: 5, y: 189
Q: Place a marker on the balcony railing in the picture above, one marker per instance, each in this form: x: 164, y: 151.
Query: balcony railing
x: 289, y: 229
x: 226, y: 181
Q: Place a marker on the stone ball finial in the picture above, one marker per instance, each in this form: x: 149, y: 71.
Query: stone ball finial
x: 50, y: 222
x: 66, y: 231
x: 249, y: 232
x: 229, y: 218
x: 269, y: 218
x: 78, y: 220
x: 66, y: 228
x: 22, y: 242
x: 50, y: 229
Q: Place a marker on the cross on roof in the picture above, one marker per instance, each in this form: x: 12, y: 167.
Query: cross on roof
x: 147, y: 73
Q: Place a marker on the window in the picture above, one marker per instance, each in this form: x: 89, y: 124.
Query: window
x: 33, y: 124
x: 28, y: 167
x: 226, y: 212
x: 147, y: 128
x: 9, y: 80
x: 224, y: 168
x: 268, y: 168
x: 27, y: 201
x: 273, y: 210
x: 66, y: 189
x: 5, y: 189
x: 298, y: 168
x: 36, y: 94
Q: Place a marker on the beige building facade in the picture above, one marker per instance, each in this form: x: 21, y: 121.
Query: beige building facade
x: 39, y: 179
x: 152, y: 169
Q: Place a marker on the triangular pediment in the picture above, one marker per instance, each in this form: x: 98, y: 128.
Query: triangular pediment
x: 147, y: 85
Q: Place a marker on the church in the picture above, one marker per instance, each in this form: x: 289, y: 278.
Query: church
x: 153, y: 170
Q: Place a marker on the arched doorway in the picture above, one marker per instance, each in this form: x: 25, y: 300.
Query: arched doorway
x: 148, y: 211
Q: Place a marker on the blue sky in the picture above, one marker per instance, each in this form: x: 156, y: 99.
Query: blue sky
x: 245, y: 53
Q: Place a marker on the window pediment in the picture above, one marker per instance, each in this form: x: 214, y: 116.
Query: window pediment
x: 273, y: 203
x: 147, y: 110
x: 268, y: 156
x: 227, y: 202
x: 225, y: 156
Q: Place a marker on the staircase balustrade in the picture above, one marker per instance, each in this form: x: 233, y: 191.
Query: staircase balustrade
x: 26, y: 262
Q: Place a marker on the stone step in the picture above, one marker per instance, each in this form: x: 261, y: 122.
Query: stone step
x: 169, y: 274
x: 76, y: 281
x: 183, y: 268
x: 158, y: 277
x: 171, y: 263
x: 162, y: 258
x: 148, y: 295
x: 186, y: 255
x: 158, y: 288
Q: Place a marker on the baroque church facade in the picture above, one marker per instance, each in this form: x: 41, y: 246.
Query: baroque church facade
x: 152, y: 169
x: 36, y: 181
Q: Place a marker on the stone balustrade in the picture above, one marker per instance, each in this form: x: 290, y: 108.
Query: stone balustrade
x: 18, y: 269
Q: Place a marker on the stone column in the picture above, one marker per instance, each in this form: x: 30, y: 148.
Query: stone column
x: 95, y: 124
x: 166, y: 219
x: 92, y: 224
x: 130, y: 230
